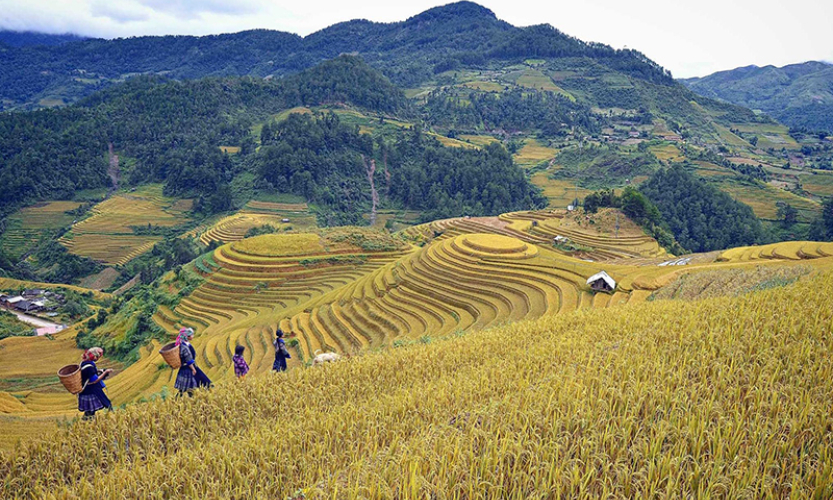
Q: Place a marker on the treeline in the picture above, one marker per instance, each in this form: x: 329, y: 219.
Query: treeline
x: 684, y: 213
x: 326, y: 161
x: 701, y: 217
x: 170, y: 131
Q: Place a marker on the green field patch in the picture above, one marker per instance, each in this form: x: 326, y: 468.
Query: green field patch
x: 763, y: 199
x: 667, y: 152
x: 730, y: 138
x: 820, y: 184
x: 484, y: 86
x: 28, y: 225
x: 478, y: 140
x: 536, y: 79
x: 559, y: 192
x: 707, y: 169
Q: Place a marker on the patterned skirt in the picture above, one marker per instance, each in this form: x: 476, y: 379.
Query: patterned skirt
x: 93, y: 399
x: 185, y: 380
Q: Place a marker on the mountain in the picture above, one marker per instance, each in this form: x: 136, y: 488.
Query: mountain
x: 410, y: 52
x: 29, y: 38
x: 798, y: 95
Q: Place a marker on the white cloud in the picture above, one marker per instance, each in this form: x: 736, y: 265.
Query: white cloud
x: 689, y: 38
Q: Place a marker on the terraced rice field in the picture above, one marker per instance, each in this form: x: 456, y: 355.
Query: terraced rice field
x: 28, y: 225
x: 763, y: 199
x: 560, y: 192
x: 107, y: 235
x: 533, y: 153
x: 329, y: 294
x: 256, y: 214
x: 819, y: 185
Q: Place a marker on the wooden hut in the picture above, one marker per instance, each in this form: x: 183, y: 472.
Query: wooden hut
x: 601, y: 282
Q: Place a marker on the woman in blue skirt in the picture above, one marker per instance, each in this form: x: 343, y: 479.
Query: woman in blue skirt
x: 92, y: 397
x: 281, y: 354
x: 190, y: 376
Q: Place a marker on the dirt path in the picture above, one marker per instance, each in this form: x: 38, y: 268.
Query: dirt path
x: 113, y: 170
x: 36, y: 322
x: 374, y: 195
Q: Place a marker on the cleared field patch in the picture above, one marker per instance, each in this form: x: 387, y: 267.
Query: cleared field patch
x: 28, y: 225
x: 763, y: 198
x: 560, y: 192
x: 534, y: 78
x: 707, y: 169
x: 108, y: 235
x: 667, y: 152
x: 478, y: 140
x: 449, y: 142
x: 533, y: 153
x: 729, y: 138
x: 484, y: 86
x: 102, y: 280
x: 820, y: 184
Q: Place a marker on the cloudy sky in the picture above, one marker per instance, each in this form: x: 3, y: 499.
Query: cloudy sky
x: 689, y: 38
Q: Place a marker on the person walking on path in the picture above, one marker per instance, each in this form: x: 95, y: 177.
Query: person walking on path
x: 241, y: 368
x: 92, y: 397
x: 190, y: 376
x: 281, y: 353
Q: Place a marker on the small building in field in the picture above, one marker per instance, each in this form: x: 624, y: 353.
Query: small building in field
x: 27, y: 306
x: 11, y: 301
x: 601, y: 282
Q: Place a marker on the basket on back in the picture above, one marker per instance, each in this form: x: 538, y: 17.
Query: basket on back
x: 70, y: 376
x: 170, y: 353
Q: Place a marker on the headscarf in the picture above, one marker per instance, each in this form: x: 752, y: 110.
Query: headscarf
x: 279, y: 334
x: 92, y: 354
x: 184, y: 335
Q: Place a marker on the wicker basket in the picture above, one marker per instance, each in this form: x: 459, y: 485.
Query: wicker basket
x: 70, y: 376
x: 170, y: 353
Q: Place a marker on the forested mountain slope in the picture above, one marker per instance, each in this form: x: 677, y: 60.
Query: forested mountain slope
x: 798, y: 95
x: 409, y: 52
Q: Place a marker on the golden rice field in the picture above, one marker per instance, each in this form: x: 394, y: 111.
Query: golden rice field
x: 717, y: 398
x: 533, y: 153
x: 28, y: 225
x: 256, y: 214
x: 356, y: 291
x: 560, y: 192
x: 762, y: 198
x: 107, y: 235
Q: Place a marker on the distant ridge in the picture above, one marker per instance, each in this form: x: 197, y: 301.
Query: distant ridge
x: 33, y: 38
x: 410, y: 52
x: 799, y: 95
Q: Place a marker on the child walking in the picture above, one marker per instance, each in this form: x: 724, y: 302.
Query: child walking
x: 241, y: 368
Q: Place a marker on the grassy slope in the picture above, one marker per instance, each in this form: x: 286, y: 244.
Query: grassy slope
x: 654, y: 400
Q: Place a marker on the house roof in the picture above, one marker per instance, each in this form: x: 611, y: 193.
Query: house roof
x: 15, y: 300
x: 603, y: 276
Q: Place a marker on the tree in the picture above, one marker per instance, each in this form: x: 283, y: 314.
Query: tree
x: 787, y: 214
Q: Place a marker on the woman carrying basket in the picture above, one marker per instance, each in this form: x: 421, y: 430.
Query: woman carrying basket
x: 190, y: 376
x: 92, y: 397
